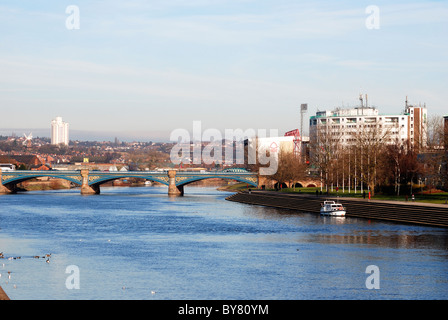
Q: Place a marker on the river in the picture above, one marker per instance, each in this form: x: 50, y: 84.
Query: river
x: 138, y: 243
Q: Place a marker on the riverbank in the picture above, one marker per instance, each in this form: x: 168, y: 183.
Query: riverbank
x: 3, y: 295
x: 394, y: 211
x: 234, y: 187
x: 44, y: 184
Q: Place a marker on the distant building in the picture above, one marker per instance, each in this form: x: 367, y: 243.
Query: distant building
x: 59, y: 131
x: 27, y: 161
x: 89, y: 165
x: 342, y: 126
x: 274, y: 145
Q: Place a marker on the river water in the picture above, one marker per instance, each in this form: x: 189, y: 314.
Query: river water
x: 138, y: 243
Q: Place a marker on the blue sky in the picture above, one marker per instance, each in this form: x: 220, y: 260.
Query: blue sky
x: 140, y: 69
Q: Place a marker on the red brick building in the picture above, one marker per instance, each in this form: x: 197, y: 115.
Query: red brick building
x: 28, y: 161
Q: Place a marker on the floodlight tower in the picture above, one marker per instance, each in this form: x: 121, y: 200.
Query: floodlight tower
x: 303, y: 110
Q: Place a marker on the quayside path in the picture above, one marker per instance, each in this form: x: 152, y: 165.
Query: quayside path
x: 394, y: 211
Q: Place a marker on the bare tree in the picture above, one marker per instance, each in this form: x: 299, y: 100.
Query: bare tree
x: 433, y: 156
x: 290, y: 168
x: 370, y: 145
x: 393, y: 155
x: 325, y: 150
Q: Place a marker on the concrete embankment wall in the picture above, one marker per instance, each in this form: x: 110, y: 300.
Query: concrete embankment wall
x: 393, y: 211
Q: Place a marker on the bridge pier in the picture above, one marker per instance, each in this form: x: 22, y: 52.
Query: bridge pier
x: 174, y: 190
x: 85, y: 188
x: 6, y: 188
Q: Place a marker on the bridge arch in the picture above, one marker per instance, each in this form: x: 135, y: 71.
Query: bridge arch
x: 185, y: 181
x: 102, y: 180
x: 16, y: 180
x: 280, y: 185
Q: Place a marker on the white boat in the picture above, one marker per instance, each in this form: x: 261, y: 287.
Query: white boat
x: 331, y: 208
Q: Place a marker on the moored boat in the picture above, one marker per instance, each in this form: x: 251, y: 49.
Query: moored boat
x: 331, y: 208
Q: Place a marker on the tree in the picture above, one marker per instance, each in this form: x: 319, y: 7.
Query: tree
x: 407, y: 167
x: 290, y: 168
x: 370, y: 144
x: 411, y: 167
x: 325, y: 150
x: 22, y: 167
x: 393, y: 160
x: 433, y: 156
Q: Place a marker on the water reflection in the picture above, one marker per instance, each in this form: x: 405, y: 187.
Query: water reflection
x: 349, y: 230
x: 405, y: 240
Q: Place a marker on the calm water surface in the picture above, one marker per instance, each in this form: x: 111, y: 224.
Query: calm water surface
x: 138, y: 243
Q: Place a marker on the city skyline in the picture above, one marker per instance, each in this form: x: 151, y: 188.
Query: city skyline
x: 138, y: 70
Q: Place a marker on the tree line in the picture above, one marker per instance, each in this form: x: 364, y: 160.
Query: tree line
x: 372, y: 161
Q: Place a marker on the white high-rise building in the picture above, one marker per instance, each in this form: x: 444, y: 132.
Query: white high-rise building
x: 59, y: 131
x: 342, y: 126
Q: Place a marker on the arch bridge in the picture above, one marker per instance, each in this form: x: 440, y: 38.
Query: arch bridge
x: 90, y: 181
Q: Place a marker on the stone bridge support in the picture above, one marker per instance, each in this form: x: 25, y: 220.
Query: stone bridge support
x: 174, y: 190
x: 7, y: 188
x: 85, y: 188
